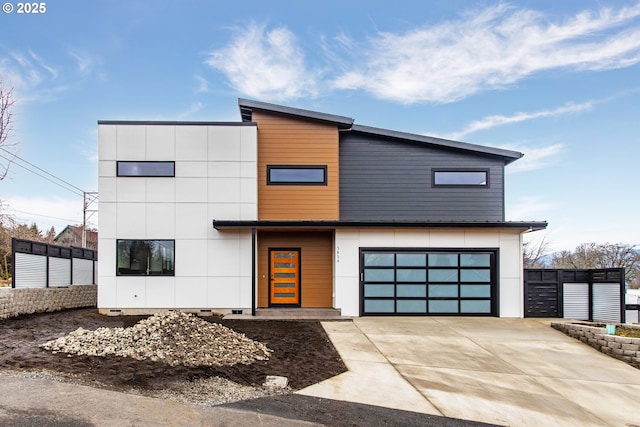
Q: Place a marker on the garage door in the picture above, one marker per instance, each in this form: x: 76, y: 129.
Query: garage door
x: 428, y: 282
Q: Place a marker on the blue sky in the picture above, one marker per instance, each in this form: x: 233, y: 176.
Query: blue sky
x: 557, y: 80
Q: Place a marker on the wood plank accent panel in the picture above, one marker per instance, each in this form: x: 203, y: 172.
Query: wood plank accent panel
x: 316, y: 262
x: 287, y: 141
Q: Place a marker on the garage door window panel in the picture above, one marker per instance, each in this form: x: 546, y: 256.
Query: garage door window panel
x: 379, y: 306
x: 405, y: 275
x: 411, y: 306
x: 379, y: 260
x: 475, y: 306
x: 376, y: 290
x: 411, y: 290
x: 443, y: 275
x: 475, y: 275
x: 411, y: 260
x: 475, y: 260
x: 443, y: 291
x: 443, y: 260
x: 378, y: 275
x: 475, y: 291
x: 443, y: 306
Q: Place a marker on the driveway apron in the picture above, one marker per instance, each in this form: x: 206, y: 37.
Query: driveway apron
x: 517, y: 372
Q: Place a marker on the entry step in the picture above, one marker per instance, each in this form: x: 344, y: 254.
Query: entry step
x: 293, y: 314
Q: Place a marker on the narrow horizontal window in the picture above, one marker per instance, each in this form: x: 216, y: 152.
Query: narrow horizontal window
x: 296, y: 175
x: 145, y: 258
x: 146, y: 169
x: 472, y: 178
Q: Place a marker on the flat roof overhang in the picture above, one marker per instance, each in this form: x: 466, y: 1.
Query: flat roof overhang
x: 332, y: 225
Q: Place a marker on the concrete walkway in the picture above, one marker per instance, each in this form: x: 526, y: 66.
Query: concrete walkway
x: 517, y: 372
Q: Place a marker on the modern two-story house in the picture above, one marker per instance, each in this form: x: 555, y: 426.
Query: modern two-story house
x: 297, y: 208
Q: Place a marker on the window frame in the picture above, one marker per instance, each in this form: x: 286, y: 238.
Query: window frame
x: 172, y: 272
x: 470, y: 170
x: 324, y: 168
x: 171, y: 162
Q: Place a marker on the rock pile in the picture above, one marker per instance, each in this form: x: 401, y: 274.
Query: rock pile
x: 174, y: 338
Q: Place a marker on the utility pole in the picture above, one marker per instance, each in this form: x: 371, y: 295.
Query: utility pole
x: 89, y: 198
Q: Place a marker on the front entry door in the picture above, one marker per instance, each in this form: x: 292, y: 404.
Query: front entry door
x: 284, y: 273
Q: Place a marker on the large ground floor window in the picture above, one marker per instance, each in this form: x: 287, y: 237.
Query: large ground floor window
x: 428, y: 282
x: 145, y: 258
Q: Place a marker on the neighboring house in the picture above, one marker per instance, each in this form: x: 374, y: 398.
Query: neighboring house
x: 72, y: 236
x: 296, y: 208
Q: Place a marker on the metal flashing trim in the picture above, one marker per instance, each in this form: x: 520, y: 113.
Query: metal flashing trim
x: 172, y: 123
x: 509, y: 155
x: 247, y: 105
x: 346, y: 123
x: 311, y: 224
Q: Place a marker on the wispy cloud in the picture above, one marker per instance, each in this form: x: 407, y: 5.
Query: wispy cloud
x: 535, y: 157
x: 500, y: 120
x: 490, y: 49
x: 84, y: 62
x: 40, y: 62
x: 193, y: 108
x: 265, y: 64
x: 35, y: 79
x: 528, y: 208
x: 203, y: 84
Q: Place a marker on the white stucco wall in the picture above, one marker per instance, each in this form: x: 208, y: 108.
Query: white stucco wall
x: 215, y: 178
x: 349, y: 241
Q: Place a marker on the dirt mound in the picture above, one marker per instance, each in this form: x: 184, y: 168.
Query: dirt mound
x: 174, y: 338
x: 302, y: 352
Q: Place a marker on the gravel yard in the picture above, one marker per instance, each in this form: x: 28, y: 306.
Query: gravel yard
x: 205, y: 360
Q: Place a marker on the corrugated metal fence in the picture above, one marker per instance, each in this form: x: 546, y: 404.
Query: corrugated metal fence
x: 40, y: 265
x: 594, y: 295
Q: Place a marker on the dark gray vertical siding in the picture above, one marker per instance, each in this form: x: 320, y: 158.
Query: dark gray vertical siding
x: 391, y: 180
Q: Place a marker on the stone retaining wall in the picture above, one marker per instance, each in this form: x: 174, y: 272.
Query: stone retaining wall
x: 14, y: 302
x: 622, y: 348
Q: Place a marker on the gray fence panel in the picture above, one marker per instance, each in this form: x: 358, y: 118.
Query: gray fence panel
x: 583, y: 294
x: 576, y: 300
x: 606, y: 302
x: 59, y: 272
x: 30, y: 271
x: 82, y: 271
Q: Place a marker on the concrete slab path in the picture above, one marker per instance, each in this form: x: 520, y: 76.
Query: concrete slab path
x: 517, y: 372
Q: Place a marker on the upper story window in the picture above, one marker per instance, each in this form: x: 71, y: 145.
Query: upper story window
x: 296, y: 175
x: 460, y: 178
x: 146, y: 169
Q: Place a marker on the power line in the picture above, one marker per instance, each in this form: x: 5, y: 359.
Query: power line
x: 47, y: 216
x: 43, y: 177
x: 40, y: 169
x: 88, y: 197
x: 67, y: 185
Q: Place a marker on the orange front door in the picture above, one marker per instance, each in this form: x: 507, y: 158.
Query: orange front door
x: 284, y: 269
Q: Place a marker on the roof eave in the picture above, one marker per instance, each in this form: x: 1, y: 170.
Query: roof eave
x: 508, y: 155
x: 247, y: 106
x: 311, y: 224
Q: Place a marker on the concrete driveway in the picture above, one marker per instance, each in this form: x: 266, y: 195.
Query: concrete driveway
x: 517, y: 372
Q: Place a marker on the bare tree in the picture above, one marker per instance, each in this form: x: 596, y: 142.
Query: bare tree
x: 605, y: 255
x: 534, y: 253
x: 7, y: 223
x: 6, y: 124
